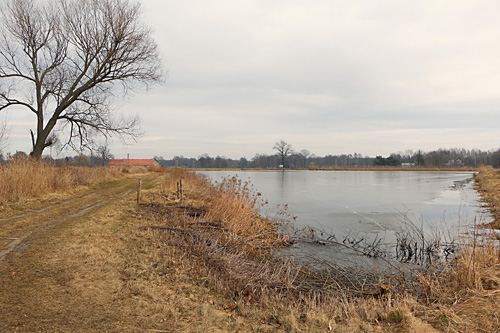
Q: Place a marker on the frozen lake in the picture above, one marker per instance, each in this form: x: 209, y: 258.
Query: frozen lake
x: 369, y: 203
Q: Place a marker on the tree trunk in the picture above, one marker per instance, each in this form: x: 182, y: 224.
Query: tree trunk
x: 37, y: 152
x: 39, y: 145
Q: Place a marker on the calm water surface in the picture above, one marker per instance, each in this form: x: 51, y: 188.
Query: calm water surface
x: 369, y: 203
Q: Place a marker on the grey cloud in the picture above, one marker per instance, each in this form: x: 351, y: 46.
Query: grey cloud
x: 329, y: 76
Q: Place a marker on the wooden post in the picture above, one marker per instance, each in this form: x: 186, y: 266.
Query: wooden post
x: 139, y: 190
x: 180, y: 185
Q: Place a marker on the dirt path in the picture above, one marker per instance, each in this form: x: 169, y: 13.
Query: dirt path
x: 53, y: 261
x: 20, y: 229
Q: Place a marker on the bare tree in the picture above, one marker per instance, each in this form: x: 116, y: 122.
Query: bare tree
x: 61, y: 60
x: 283, y: 150
x: 104, y: 154
x: 304, y: 154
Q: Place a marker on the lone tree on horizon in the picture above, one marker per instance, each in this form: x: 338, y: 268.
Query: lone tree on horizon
x: 61, y: 61
x: 283, y: 150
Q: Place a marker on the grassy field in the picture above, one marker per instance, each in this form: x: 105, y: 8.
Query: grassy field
x: 197, y: 257
x: 25, y: 179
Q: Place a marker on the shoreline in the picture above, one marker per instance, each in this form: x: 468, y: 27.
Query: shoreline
x: 405, y: 169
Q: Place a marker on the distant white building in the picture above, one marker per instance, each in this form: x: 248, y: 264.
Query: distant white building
x: 457, y: 162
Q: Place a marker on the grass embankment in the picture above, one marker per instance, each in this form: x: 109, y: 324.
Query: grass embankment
x: 24, y: 179
x: 215, y: 238
x: 488, y: 185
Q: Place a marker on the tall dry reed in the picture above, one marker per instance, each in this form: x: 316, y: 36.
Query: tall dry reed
x: 24, y: 179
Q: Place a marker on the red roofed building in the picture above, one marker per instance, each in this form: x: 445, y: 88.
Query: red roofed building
x: 134, y: 162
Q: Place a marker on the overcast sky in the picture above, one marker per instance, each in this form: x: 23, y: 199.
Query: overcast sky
x: 372, y: 77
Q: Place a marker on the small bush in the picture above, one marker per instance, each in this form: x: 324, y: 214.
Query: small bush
x: 395, y: 317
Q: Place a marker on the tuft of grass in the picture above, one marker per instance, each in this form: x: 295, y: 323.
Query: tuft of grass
x: 395, y: 316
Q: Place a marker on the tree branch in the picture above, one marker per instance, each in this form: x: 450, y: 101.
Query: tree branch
x: 11, y: 101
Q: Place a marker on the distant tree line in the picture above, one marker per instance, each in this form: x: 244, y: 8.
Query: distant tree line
x: 455, y: 157
x: 97, y: 158
x: 450, y: 157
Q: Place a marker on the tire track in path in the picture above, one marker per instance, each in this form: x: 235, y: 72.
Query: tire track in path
x: 20, y: 229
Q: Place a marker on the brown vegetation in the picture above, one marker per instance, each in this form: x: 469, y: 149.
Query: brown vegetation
x: 488, y: 185
x: 22, y: 179
x: 193, y: 256
x: 216, y: 232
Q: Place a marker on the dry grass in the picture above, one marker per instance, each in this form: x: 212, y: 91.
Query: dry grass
x: 488, y: 185
x: 203, y: 259
x: 25, y: 179
x: 216, y: 233
x: 98, y: 272
x: 467, y: 292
